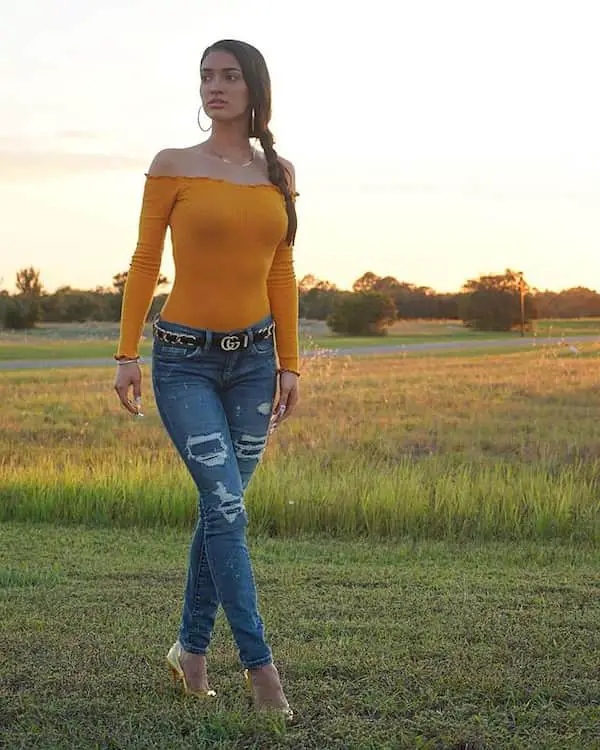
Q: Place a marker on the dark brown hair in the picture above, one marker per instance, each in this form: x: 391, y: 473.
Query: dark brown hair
x: 257, y: 78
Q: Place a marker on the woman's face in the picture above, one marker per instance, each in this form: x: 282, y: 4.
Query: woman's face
x: 223, y: 89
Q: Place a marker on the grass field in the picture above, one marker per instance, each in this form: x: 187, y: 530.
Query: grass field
x: 425, y: 535
x: 434, y: 645
x: 75, y: 340
x: 503, y: 446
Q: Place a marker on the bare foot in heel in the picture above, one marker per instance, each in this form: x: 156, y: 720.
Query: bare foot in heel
x: 190, y: 670
x: 267, y: 692
x: 194, y: 667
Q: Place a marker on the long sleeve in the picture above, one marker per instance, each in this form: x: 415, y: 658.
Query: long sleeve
x: 283, y: 297
x: 158, y: 199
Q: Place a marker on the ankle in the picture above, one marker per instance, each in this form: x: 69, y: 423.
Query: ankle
x: 189, y: 655
x: 262, y: 668
x: 266, y: 672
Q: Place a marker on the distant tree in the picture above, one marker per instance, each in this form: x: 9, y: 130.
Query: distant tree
x: 362, y: 314
x: 576, y: 302
x: 81, y: 306
x: 119, y: 280
x: 445, y: 306
x: 307, y: 283
x: 385, y: 284
x: 316, y: 297
x: 23, y: 310
x: 411, y: 301
x: 318, y: 303
x: 492, y: 302
x: 20, y: 312
x: 366, y: 282
x: 28, y: 282
x: 5, y: 301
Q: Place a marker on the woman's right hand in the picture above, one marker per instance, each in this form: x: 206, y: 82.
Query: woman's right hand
x: 130, y: 375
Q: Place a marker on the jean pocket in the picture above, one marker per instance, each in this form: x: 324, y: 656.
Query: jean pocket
x: 264, y: 347
x: 173, y: 352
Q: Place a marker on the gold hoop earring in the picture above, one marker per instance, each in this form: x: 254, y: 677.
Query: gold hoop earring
x: 204, y: 130
x: 253, y: 123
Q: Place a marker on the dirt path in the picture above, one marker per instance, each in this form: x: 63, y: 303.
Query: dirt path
x: 34, y: 364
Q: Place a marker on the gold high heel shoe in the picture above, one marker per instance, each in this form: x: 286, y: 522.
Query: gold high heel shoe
x: 285, y: 711
x: 179, y: 675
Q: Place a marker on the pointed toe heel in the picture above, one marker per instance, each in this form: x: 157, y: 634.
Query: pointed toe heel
x: 178, y: 675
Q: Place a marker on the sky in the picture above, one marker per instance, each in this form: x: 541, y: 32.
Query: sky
x: 433, y: 141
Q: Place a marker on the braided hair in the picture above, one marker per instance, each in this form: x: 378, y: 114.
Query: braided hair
x: 257, y: 78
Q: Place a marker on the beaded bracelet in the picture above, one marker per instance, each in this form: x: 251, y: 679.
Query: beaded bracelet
x: 286, y: 369
x: 137, y: 360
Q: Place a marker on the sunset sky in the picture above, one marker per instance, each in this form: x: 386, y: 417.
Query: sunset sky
x: 433, y: 141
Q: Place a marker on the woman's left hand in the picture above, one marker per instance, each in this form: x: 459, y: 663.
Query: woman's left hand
x: 289, y: 394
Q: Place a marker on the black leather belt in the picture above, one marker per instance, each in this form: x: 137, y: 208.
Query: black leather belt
x: 227, y: 342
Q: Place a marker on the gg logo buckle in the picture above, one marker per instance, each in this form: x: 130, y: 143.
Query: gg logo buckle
x: 230, y: 343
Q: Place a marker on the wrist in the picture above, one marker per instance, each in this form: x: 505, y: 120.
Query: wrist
x: 287, y: 369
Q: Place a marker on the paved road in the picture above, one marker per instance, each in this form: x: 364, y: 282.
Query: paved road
x: 33, y: 364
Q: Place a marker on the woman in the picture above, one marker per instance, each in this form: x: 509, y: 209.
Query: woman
x: 232, y: 312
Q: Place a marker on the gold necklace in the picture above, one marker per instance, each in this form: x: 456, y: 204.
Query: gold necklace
x: 233, y: 163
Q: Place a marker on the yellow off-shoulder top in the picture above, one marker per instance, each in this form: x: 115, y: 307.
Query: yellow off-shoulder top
x: 233, y: 265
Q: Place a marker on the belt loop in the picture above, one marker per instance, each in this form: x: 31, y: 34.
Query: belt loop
x: 209, y: 338
x: 250, y: 333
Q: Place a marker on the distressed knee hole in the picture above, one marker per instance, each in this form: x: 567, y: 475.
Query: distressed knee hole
x: 209, y: 450
x: 264, y: 408
x: 250, y: 446
x: 230, y: 505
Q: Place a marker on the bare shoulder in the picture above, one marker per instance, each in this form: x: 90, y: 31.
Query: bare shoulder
x: 164, y: 164
x: 171, y: 162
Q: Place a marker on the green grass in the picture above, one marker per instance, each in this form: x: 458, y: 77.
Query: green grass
x: 425, y: 539
x: 98, y: 340
x: 482, y: 447
x: 406, y: 332
x: 417, y: 644
x: 567, y: 326
x: 62, y: 350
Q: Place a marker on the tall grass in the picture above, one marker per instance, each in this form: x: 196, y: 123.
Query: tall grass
x: 429, y: 498
x: 503, y: 446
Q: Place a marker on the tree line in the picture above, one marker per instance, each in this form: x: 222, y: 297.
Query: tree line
x: 490, y: 302
x: 493, y: 302
x: 31, y: 304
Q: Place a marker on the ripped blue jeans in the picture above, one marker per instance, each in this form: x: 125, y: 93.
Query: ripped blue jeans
x: 216, y: 407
